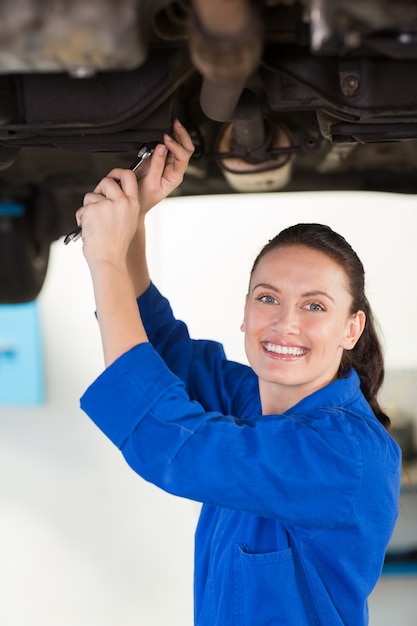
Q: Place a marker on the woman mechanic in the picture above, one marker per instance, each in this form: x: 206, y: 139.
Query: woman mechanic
x: 291, y: 457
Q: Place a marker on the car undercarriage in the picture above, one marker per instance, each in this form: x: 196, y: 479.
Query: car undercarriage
x: 278, y: 95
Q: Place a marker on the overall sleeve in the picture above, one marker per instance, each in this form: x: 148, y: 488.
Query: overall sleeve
x: 274, y: 466
x: 209, y: 378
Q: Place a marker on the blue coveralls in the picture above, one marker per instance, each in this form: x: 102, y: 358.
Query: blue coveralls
x: 298, y: 508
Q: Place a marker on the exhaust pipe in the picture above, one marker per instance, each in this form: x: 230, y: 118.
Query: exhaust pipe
x: 226, y: 42
x: 247, y: 144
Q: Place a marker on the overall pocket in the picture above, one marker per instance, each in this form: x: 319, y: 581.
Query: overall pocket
x: 267, y: 592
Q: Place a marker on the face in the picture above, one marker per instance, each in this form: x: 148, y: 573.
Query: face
x: 297, y: 323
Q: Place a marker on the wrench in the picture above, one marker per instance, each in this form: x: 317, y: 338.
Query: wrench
x: 143, y: 154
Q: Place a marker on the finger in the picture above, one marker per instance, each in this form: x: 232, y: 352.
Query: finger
x: 176, y: 162
x: 158, y: 160
x: 183, y: 137
x: 109, y: 186
x: 125, y: 179
x: 181, y: 149
x: 180, y: 152
x: 92, y: 197
x: 156, y: 167
x: 78, y: 216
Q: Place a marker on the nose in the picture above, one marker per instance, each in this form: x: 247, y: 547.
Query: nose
x: 286, y: 321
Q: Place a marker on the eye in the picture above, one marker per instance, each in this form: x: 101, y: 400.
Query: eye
x: 314, y: 306
x: 267, y: 299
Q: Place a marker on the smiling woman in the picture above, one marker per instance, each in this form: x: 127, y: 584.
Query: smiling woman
x: 290, y: 455
x: 321, y: 273
x: 297, y: 331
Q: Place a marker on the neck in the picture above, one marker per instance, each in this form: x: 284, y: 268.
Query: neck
x: 276, y: 399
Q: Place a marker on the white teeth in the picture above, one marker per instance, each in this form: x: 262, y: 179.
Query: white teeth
x: 272, y: 347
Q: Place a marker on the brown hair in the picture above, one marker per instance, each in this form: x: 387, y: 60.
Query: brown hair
x: 367, y: 356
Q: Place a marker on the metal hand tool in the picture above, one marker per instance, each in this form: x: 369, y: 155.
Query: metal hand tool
x: 143, y: 154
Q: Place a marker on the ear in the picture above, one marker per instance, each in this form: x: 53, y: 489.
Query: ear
x: 354, y: 329
x: 243, y: 324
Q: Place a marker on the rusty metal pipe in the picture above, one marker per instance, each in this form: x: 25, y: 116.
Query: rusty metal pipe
x: 248, y: 121
x: 226, y: 47
x: 223, y: 18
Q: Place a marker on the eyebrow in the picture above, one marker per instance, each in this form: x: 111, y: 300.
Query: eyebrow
x: 307, y: 294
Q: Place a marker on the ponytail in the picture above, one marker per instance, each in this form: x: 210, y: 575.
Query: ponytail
x: 367, y: 360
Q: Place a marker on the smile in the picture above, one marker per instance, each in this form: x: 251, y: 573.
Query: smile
x: 284, y: 350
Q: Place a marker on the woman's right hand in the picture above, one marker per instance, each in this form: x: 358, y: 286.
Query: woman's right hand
x: 165, y: 170
x: 158, y: 177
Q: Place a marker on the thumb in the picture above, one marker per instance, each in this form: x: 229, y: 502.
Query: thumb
x: 157, y: 166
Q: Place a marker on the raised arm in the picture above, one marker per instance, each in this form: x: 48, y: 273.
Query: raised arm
x: 112, y: 220
x: 157, y: 180
x: 113, y: 230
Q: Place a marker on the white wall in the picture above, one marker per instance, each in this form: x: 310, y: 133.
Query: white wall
x: 82, y: 539
x: 206, y: 248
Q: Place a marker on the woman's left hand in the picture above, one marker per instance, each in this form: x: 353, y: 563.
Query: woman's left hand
x: 166, y: 168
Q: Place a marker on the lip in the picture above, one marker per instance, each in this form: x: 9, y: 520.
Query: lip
x: 283, y: 351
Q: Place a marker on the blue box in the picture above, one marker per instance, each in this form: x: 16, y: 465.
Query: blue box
x: 21, y: 357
